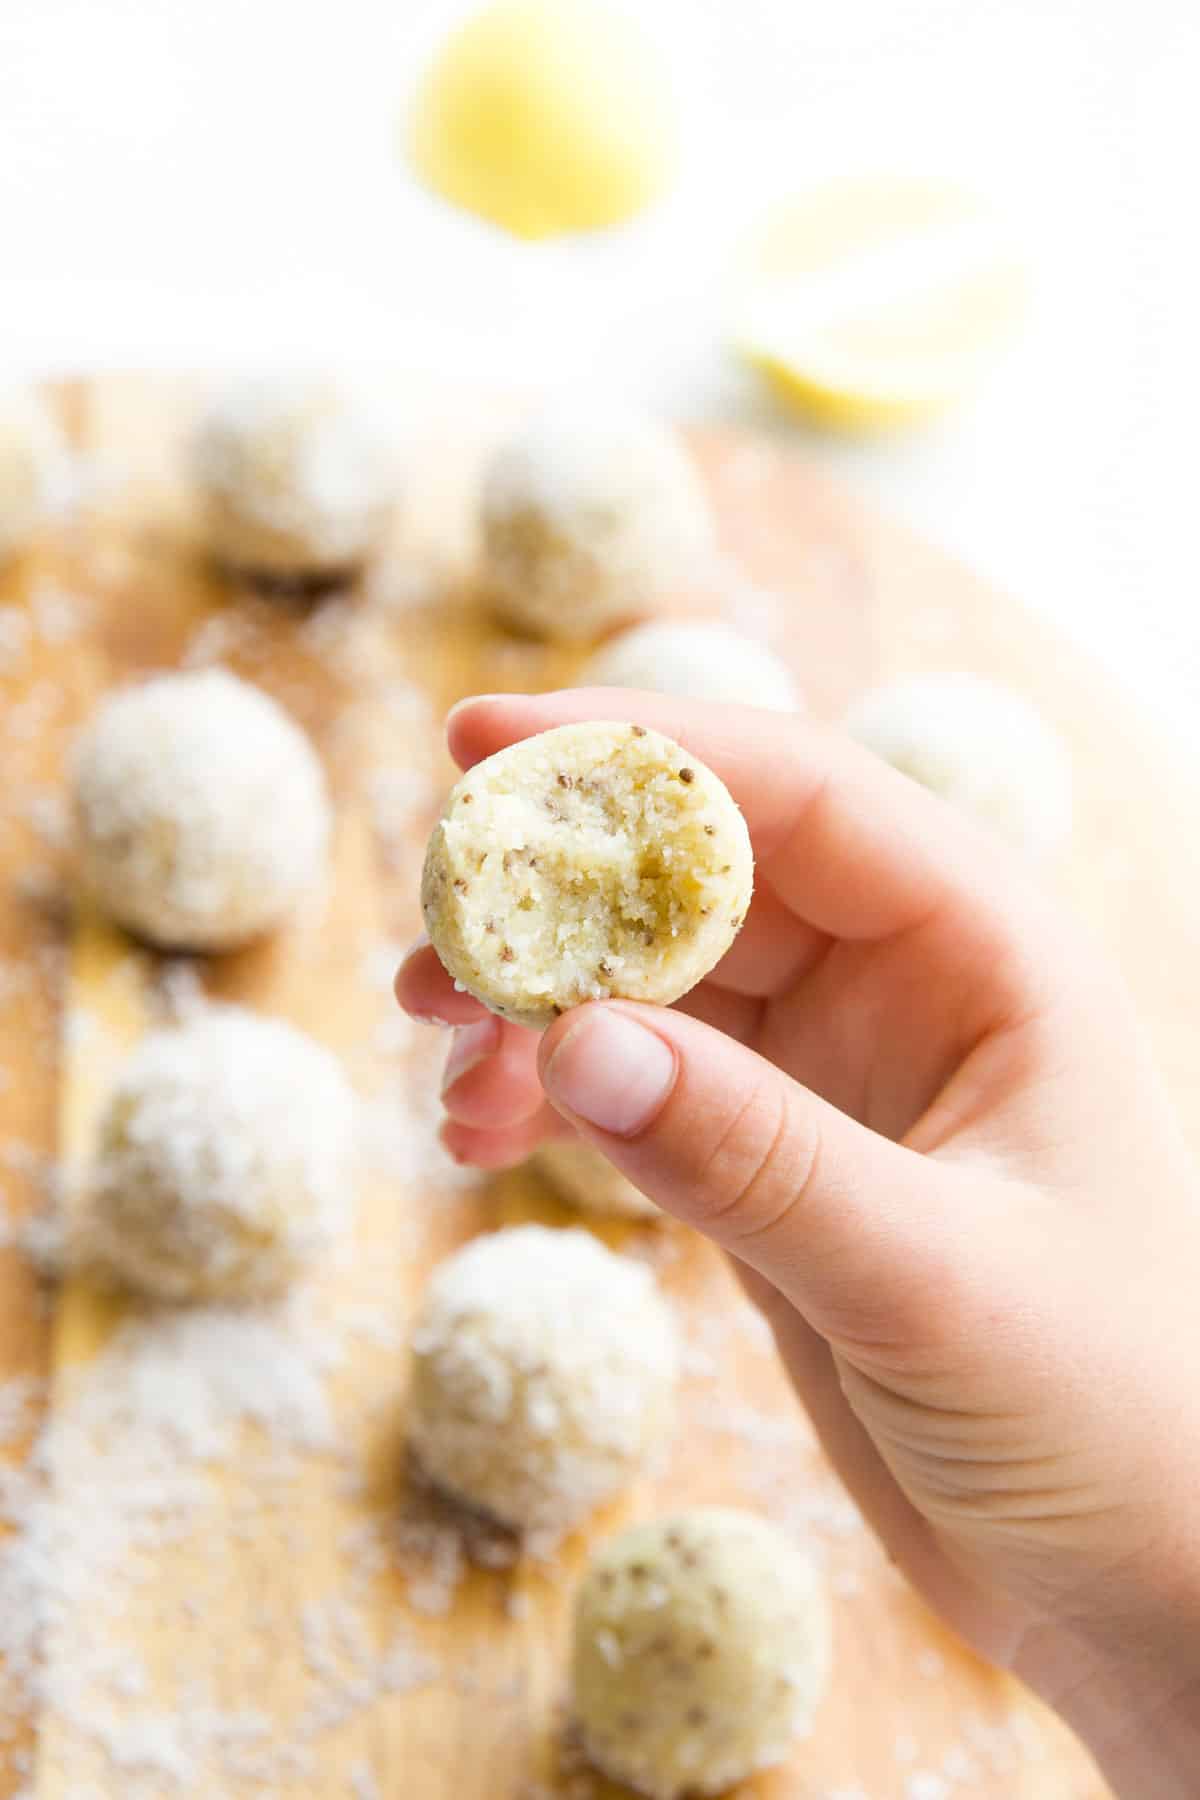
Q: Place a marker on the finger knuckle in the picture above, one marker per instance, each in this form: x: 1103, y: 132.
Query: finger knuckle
x: 761, y: 1168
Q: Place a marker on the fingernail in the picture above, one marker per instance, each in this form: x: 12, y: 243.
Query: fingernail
x: 470, y: 700
x: 611, y: 1071
x: 469, y: 1046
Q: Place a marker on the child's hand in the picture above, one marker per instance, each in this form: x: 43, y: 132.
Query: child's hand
x: 913, y: 1103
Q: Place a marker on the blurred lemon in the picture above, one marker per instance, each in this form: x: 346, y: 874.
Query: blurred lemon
x: 877, y: 303
x: 545, y: 116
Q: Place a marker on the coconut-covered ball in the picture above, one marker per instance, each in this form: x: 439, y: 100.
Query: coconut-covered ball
x: 202, y: 811
x: 981, y: 746
x: 589, y: 1181
x: 700, y: 659
x: 543, y: 1376
x: 224, y: 1164
x: 701, y: 1648
x: 591, y: 516
x: 294, y: 483
x: 33, y: 467
x: 591, y: 861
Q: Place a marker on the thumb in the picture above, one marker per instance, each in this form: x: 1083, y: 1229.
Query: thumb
x: 855, y: 1230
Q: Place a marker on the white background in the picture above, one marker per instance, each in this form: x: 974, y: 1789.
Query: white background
x: 199, y: 182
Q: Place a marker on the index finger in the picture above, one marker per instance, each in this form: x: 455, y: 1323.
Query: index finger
x: 849, y: 845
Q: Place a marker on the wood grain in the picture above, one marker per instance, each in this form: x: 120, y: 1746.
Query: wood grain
x: 847, y: 599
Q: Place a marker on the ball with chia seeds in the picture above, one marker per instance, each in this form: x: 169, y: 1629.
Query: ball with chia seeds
x: 701, y: 1647
x: 592, y: 861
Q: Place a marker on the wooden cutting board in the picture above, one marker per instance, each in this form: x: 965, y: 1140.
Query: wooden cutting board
x: 312, y: 1623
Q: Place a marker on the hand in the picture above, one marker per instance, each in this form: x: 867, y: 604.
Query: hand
x: 913, y: 1103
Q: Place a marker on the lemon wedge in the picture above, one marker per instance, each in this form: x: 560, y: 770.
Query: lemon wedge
x: 877, y: 303
x: 544, y: 116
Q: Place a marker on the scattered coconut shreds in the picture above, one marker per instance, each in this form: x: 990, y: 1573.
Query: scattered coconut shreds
x: 35, y: 1166
x: 363, y: 1785
x: 15, y: 638
x: 958, y: 1766
x: 48, y: 816
x: 57, y: 615
x: 178, y: 992
x: 906, y: 1749
x: 217, y: 638
x: 437, y: 1541
x: 193, y: 1432
x: 142, y: 1433
x: 926, y: 1784
x: 41, y: 1238
x: 20, y: 1396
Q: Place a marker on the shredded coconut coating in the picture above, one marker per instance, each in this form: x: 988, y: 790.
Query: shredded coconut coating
x: 701, y: 1648
x: 293, y: 481
x: 33, y: 467
x: 979, y: 745
x: 592, y: 515
x: 589, y: 862
x: 543, y: 1376
x: 201, y: 809
x: 700, y: 659
x: 224, y: 1162
x: 589, y: 1181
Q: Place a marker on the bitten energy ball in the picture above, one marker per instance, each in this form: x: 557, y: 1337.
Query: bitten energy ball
x: 33, y: 466
x: 591, y: 861
x: 594, y: 514
x: 543, y: 1375
x: 294, y: 484
x: 224, y: 1162
x: 589, y: 1181
x: 980, y: 746
x: 701, y: 1648
x: 700, y: 659
x: 201, y: 810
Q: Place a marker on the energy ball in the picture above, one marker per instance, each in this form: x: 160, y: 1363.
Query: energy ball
x: 33, y: 467
x: 593, y: 515
x: 295, y: 485
x: 201, y: 810
x: 697, y: 658
x: 543, y: 1375
x: 701, y: 1648
x: 588, y: 862
x: 589, y: 1181
x: 224, y: 1163
x: 978, y: 745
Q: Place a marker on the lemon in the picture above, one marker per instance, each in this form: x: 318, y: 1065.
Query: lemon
x: 544, y: 116
x: 873, y: 303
